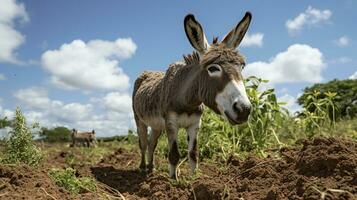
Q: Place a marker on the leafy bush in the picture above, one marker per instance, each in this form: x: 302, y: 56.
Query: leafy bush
x: 5, y: 123
x: 57, y: 134
x: 323, y: 113
x: 19, y: 147
x: 346, y: 100
x: 217, y: 135
x: 67, y: 179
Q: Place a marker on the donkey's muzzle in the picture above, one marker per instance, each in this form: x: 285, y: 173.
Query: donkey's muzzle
x: 242, y: 111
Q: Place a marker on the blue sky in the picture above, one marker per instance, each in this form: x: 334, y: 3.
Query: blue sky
x: 73, y: 63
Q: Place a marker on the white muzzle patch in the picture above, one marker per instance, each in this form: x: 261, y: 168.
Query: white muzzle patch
x: 233, y: 94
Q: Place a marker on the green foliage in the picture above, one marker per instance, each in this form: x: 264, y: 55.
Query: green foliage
x: 5, y: 123
x: 130, y: 138
x: 217, y: 135
x: 19, y: 147
x: 323, y: 113
x: 67, y: 179
x: 264, y: 120
x: 57, y: 134
x: 346, y: 99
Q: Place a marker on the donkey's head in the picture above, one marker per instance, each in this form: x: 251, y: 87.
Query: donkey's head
x: 221, y: 85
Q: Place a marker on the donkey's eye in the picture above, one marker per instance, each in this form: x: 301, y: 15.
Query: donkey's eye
x: 214, y: 68
x: 242, y: 66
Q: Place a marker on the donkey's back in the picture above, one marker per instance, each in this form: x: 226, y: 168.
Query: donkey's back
x: 146, y: 95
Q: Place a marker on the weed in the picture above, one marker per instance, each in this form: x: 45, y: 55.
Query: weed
x: 318, y: 112
x: 67, y: 178
x: 217, y: 135
x: 19, y: 147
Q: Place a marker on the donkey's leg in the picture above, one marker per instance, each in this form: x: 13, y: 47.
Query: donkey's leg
x: 174, y: 155
x: 154, y: 136
x: 192, y: 132
x: 143, y: 142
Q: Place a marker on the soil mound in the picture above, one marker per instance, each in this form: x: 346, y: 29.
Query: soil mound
x: 323, y: 168
x: 318, y: 169
x: 23, y: 182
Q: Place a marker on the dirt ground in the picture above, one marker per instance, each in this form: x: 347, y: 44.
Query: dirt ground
x: 318, y: 169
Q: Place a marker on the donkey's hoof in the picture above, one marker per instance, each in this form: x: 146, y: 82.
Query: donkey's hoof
x: 142, y: 167
x: 173, y: 177
x: 151, y: 169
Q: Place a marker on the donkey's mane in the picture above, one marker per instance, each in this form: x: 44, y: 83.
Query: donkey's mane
x: 192, y: 59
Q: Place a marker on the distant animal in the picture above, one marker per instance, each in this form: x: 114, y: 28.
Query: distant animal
x: 83, y: 138
x: 172, y: 100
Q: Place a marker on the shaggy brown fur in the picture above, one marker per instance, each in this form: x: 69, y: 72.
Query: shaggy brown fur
x: 172, y: 100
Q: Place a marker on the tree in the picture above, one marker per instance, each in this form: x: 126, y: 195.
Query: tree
x: 57, y: 134
x: 346, y: 99
x: 5, y: 123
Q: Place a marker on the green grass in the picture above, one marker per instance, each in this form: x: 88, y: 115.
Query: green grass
x: 67, y: 179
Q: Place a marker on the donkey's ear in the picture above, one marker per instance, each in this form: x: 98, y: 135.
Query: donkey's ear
x: 195, y: 34
x: 235, y: 37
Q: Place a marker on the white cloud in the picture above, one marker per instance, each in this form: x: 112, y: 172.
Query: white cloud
x: 89, y: 66
x: 299, y: 63
x: 11, y: 12
x: 342, y: 41
x: 311, y: 17
x: 117, y: 102
x: 2, y: 77
x: 34, y: 97
x: 255, y: 39
x: 108, y: 115
x: 291, y: 103
x: 353, y: 76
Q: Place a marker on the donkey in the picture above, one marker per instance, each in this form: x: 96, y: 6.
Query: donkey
x: 85, y: 138
x: 172, y: 100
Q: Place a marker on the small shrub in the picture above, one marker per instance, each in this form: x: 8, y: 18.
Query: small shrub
x: 19, y: 147
x: 318, y: 112
x: 5, y: 123
x: 67, y: 178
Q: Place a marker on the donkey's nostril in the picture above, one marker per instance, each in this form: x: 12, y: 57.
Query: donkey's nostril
x: 242, y: 111
x: 237, y: 108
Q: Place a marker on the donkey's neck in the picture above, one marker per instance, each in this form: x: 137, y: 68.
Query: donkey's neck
x: 188, y: 91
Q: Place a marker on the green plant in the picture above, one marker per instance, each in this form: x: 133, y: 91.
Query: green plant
x: 318, y: 112
x: 5, y: 122
x: 67, y: 178
x: 217, y: 135
x: 265, y: 118
x: 57, y: 134
x: 346, y: 102
x: 19, y: 147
